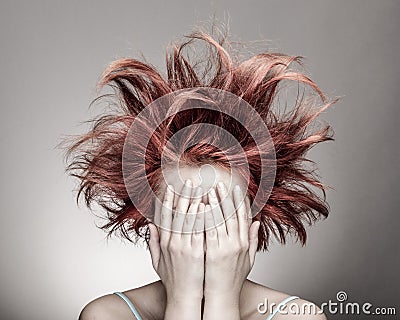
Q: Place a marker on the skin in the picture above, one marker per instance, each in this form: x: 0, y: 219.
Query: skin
x: 203, y: 275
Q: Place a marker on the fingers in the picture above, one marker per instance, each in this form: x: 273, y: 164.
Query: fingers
x: 199, y: 223
x: 253, y: 240
x: 157, y: 211
x: 154, y: 245
x: 181, y: 210
x: 218, y: 216
x: 184, y: 197
x: 241, y: 213
x: 197, y: 236
x: 192, y: 211
x: 248, y: 210
x: 211, y: 231
x: 228, y: 209
x: 166, y: 216
x: 190, y: 217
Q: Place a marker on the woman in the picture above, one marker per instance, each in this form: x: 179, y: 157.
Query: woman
x: 205, y: 207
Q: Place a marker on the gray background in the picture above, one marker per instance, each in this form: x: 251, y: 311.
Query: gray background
x: 54, y: 260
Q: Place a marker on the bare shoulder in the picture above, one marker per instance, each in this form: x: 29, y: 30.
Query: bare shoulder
x: 112, y: 307
x: 300, y: 309
x: 264, y: 300
x: 106, y: 307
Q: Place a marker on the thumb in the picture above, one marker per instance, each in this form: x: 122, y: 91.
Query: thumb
x: 154, y: 245
x: 253, y: 240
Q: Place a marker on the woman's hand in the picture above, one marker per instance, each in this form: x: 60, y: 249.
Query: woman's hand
x: 231, y: 245
x: 177, y: 252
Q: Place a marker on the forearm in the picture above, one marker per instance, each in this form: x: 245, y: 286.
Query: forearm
x: 221, y: 307
x: 184, y: 308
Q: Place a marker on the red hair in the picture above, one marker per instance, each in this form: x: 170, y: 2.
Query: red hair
x: 96, y: 157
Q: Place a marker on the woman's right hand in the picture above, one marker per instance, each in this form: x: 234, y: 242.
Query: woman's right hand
x: 177, y: 250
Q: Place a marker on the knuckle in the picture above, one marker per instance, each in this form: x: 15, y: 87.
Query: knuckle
x: 197, y: 237
x: 211, y: 256
x: 245, y: 246
x: 173, y: 247
x: 163, y: 244
x: 212, y: 233
x: 197, y: 254
x: 236, y: 248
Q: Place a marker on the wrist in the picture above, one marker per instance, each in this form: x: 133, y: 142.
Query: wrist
x: 222, y: 298
x: 230, y: 295
x: 179, y: 307
x: 183, y: 299
x: 221, y: 306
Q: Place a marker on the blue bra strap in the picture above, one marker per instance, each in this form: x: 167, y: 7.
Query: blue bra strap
x: 129, y: 303
x: 280, y: 305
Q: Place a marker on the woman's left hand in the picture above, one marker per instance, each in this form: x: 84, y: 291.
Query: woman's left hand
x: 231, y: 244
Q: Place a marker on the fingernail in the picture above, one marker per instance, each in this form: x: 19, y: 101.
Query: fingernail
x: 198, y: 192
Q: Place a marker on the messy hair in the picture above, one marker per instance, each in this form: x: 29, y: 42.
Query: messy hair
x: 95, y: 158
